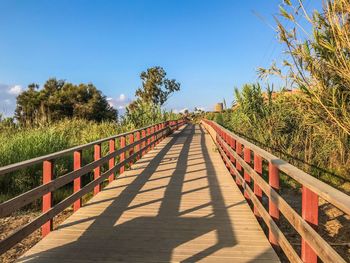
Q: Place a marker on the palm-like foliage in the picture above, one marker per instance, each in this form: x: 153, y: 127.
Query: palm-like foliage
x: 319, y: 61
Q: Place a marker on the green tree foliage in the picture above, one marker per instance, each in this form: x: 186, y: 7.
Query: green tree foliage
x: 156, y: 88
x: 141, y: 113
x: 58, y: 100
x: 155, y: 91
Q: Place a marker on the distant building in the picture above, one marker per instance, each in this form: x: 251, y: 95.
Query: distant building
x: 219, y: 107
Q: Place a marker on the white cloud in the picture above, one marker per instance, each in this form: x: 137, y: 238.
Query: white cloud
x: 182, y: 110
x: 122, y: 97
x: 8, y: 94
x: 15, y: 90
x: 120, y: 103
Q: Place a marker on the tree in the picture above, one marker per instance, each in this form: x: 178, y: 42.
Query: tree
x: 28, y: 103
x: 141, y: 114
x: 59, y: 99
x: 156, y: 88
x: 155, y: 91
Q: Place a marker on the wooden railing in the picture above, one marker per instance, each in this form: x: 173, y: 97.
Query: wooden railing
x: 237, y: 154
x: 139, y: 142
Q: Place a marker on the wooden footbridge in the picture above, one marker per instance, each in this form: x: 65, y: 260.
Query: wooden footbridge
x: 173, y: 192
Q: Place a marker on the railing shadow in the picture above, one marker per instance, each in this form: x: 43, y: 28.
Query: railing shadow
x: 155, y: 238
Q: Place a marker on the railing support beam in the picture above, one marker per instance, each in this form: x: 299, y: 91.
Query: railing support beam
x: 257, y: 189
x: 47, y: 198
x: 273, y: 210
x: 77, y: 159
x: 238, y: 165
x: 310, y: 214
x: 131, y: 140
x: 246, y: 175
x: 97, y: 170
x: 138, y: 146
x: 111, y: 162
x: 122, y: 155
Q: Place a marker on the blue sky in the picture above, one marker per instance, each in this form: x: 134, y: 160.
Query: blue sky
x: 208, y: 46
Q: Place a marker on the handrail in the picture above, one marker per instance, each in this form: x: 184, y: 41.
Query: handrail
x: 19, y: 165
x: 146, y: 139
x: 231, y: 148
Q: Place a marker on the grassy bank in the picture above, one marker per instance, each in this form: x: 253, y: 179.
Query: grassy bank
x: 19, y: 144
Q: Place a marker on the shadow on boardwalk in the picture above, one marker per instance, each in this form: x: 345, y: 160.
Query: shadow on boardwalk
x: 154, y: 238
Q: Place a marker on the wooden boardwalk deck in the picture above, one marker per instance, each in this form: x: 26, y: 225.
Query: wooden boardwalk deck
x: 178, y: 203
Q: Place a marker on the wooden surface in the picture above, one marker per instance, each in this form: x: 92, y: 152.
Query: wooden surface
x: 178, y: 203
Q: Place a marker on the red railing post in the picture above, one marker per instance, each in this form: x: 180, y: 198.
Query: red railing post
x: 143, y: 143
x: 152, y: 138
x: 77, y: 159
x: 230, y: 143
x: 161, y: 126
x: 224, y: 137
x: 257, y: 189
x: 230, y: 156
x: 138, y: 146
x: 97, y: 170
x: 155, y: 136
x: 233, y: 145
x: 310, y: 215
x: 165, y: 125
x: 122, y: 155
x: 131, y: 151
x: 149, y: 139
x: 158, y: 135
x: 225, y: 150
x: 47, y: 198
x: 274, y: 182
x: 246, y: 175
x: 111, y: 162
x: 238, y: 165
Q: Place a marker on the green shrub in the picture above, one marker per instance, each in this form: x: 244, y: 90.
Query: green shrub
x: 284, y: 126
